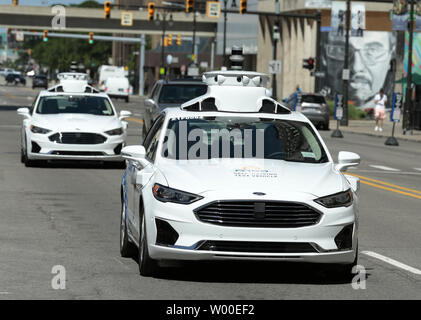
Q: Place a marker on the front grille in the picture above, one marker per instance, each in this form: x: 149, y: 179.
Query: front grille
x: 77, y: 138
x: 260, y: 214
x: 257, y: 247
x: 78, y: 153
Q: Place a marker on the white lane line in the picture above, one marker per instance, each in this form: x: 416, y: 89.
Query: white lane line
x: 384, y: 168
x: 392, y: 262
x: 418, y: 169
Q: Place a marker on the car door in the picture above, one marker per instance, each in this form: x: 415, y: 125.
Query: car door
x: 141, y: 175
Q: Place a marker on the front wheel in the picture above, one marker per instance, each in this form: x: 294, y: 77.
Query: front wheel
x: 345, y: 271
x: 147, y: 266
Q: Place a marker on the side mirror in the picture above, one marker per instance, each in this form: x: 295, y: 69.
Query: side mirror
x: 135, y: 153
x: 347, y: 160
x: 124, y: 114
x: 149, y: 103
x: 24, y: 112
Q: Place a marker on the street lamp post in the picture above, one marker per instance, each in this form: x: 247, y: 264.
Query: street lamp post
x: 233, y: 6
x: 408, y: 115
x: 164, y: 29
x: 275, y: 44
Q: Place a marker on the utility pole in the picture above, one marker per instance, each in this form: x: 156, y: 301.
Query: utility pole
x: 275, y: 38
x: 317, y: 86
x: 225, y: 33
x: 344, y: 121
x: 407, y: 114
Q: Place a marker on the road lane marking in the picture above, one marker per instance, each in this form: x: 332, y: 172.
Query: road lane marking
x: 384, y: 183
x: 140, y: 121
x: 390, y: 189
x: 418, y: 169
x: 392, y: 262
x: 384, y: 168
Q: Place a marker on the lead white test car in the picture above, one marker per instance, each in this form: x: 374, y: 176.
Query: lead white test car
x: 72, y: 121
x: 235, y: 175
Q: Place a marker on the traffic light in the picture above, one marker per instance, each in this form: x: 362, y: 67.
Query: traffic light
x: 243, y: 6
x: 189, y: 6
x: 107, y: 9
x: 15, y: 2
x: 170, y: 39
x: 45, y: 36
x: 308, y: 64
x: 151, y: 10
x: 91, y: 37
x: 178, y: 40
x: 165, y: 42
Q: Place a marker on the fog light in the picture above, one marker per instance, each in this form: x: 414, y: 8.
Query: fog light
x: 35, y: 147
x: 166, y: 235
x: 344, y: 238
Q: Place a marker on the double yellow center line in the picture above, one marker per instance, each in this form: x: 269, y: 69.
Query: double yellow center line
x: 388, y: 186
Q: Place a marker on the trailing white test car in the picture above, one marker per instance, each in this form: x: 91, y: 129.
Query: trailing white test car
x: 233, y: 174
x: 72, y: 121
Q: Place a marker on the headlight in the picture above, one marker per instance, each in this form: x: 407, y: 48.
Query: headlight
x: 40, y: 130
x: 166, y: 194
x: 115, y: 132
x: 341, y: 199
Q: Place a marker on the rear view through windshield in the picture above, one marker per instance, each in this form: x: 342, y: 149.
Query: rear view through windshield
x: 180, y: 93
x: 313, y: 99
x: 99, y: 106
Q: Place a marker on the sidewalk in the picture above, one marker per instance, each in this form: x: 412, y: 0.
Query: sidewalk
x: 367, y: 127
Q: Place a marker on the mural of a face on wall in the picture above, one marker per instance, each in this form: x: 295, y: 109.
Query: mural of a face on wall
x: 370, y: 59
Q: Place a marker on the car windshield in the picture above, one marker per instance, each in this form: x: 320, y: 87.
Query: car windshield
x: 227, y: 137
x: 99, y: 106
x: 180, y: 93
x: 313, y: 99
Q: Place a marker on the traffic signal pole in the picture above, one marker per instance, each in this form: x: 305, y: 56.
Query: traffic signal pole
x: 344, y: 121
x: 275, y: 45
x: 407, y: 114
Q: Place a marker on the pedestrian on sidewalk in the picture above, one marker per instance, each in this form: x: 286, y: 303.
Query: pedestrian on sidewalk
x: 380, y: 109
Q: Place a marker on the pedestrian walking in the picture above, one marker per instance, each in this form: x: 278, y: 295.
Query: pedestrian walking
x: 380, y: 109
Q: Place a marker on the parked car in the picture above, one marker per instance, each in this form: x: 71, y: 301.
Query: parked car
x: 5, y: 71
x: 313, y: 106
x: 40, y: 81
x: 169, y: 94
x: 15, y: 78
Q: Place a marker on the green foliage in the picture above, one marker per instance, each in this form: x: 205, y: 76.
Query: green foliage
x: 354, y: 113
x: 58, y: 53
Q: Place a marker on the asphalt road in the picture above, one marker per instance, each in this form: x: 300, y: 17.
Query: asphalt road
x: 68, y: 215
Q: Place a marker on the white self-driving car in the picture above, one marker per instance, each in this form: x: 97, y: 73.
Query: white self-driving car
x: 233, y: 174
x: 72, y: 121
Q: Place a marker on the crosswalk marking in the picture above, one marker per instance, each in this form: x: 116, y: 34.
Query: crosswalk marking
x: 384, y: 168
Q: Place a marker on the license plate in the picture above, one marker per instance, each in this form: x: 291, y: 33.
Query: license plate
x: 121, y: 90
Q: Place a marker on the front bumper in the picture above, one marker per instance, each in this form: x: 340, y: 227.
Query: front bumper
x: 192, y: 233
x: 48, y: 150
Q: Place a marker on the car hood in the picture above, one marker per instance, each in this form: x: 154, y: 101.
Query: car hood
x: 76, y: 122
x: 198, y: 176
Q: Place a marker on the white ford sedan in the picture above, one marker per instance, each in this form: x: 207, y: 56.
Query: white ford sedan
x: 235, y: 175
x: 72, y: 123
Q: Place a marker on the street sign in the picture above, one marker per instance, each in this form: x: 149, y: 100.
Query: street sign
x: 395, y: 115
x: 339, y: 103
x: 275, y: 67
x: 213, y: 9
x: 19, y: 36
x: 127, y: 18
x: 193, y: 71
x: 345, y: 74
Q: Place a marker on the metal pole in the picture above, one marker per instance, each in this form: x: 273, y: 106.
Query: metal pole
x: 141, y: 65
x: 274, y: 49
x: 318, y: 50
x: 344, y: 120
x: 194, y: 33
x: 164, y: 16
x: 225, y: 33
x: 407, y: 121
x: 212, y: 62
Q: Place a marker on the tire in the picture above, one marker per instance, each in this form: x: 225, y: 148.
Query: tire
x: 127, y: 99
x: 30, y: 163
x: 127, y: 249
x: 147, y: 266
x: 326, y: 126
x: 22, y: 156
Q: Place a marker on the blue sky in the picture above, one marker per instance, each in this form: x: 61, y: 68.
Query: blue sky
x: 45, y: 2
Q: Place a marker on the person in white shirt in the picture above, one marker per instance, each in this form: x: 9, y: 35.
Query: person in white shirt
x: 380, y: 109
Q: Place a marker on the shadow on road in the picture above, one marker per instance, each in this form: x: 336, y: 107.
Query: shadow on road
x: 255, y: 272
x: 62, y: 164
